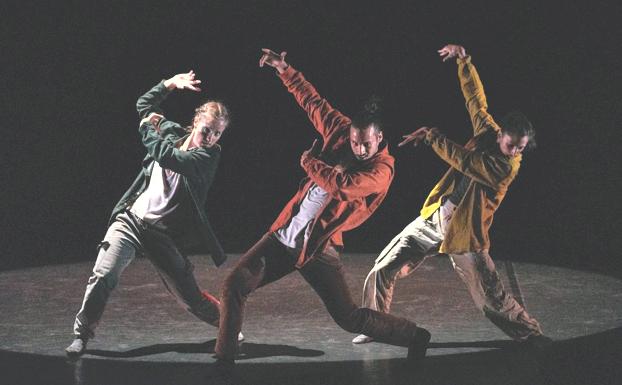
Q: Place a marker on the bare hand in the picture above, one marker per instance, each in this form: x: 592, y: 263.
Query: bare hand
x: 417, y: 136
x: 274, y: 60
x: 311, y: 152
x: 183, y: 81
x: 451, y: 50
x: 154, y: 119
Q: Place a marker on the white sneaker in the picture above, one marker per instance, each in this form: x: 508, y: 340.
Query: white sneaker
x: 240, y: 338
x: 362, y: 339
x: 77, y: 347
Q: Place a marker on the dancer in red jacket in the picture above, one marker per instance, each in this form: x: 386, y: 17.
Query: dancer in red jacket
x: 346, y: 182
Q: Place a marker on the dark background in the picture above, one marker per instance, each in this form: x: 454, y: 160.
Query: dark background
x: 73, y: 72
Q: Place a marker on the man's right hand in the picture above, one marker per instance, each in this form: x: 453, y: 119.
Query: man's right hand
x: 452, y: 50
x: 274, y: 60
x: 416, y: 136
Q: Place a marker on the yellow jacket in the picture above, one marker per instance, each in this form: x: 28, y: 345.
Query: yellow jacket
x: 490, y: 171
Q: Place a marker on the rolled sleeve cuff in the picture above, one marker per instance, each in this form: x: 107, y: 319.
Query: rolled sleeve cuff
x: 431, y: 136
x: 288, y: 74
x: 306, y: 162
x: 464, y: 60
x: 162, y: 88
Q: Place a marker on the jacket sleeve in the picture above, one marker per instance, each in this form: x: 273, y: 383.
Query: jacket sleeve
x: 349, y: 185
x: 324, y: 117
x: 473, y: 91
x: 195, y: 163
x: 496, y: 172
x: 150, y: 102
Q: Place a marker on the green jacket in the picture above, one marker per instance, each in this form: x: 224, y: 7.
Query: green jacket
x: 196, y: 166
x: 490, y: 171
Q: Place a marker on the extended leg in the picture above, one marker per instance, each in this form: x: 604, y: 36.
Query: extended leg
x: 327, y: 277
x: 116, y: 252
x: 478, y: 272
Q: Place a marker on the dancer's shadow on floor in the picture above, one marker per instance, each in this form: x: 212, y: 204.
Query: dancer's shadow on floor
x: 247, y: 350
x: 494, y: 344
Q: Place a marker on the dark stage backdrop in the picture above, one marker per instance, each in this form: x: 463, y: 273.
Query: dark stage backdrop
x: 72, y: 73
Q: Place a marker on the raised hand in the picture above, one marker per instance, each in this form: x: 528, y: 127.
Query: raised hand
x: 273, y: 59
x: 183, y: 81
x: 416, y: 136
x: 452, y: 50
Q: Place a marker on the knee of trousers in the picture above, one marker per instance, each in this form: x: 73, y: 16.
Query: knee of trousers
x: 237, y: 283
x: 352, y: 321
x: 107, y: 280
x: 489, y: 300
x: 205, y: 311
x: 493, y: 293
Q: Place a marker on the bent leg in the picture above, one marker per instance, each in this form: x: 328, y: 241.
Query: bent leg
x: 399, y: 258
x: 327, y: 277
x: 265, y: 262
x: 478, y: 272
x: 176, y: 271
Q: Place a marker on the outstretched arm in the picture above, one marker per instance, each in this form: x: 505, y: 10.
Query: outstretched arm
x: 472, y: 88
x: 494, y: 171
x: 324, y: 117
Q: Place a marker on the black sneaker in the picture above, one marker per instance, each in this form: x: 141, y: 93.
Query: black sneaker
x: 538, y: 341
x: 418, y: 345
x: 77, y: 347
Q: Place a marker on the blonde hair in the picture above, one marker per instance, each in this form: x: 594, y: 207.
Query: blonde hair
x: 212, y: 109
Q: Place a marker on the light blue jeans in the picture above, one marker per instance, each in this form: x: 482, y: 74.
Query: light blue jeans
x: 127, y: 236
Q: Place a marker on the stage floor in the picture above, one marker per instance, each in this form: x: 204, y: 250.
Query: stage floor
x: 145, y: 337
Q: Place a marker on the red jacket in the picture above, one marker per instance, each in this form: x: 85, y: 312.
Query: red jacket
x: 355, y: 192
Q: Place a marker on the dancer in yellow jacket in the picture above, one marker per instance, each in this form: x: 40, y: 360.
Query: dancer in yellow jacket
x: 459, y: 210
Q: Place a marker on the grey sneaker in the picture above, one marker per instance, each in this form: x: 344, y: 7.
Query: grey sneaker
x: 77, y: 347
x: 362, y: 339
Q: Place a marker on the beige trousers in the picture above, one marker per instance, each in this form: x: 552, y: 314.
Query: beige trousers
x: 421, y: 239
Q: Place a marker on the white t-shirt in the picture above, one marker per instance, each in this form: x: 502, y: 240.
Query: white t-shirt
x: 297, y: 231
x: 157, y: 200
